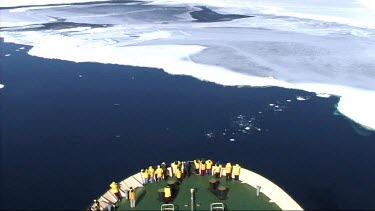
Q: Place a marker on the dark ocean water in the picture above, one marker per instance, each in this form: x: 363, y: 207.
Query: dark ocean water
x: 69, y: 129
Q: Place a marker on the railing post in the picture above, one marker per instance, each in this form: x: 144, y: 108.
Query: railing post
x: 192, y: 199
x: 258, y: 190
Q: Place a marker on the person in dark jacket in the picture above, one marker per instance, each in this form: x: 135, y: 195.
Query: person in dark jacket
x: 187, y: 169
x: 165, y: 170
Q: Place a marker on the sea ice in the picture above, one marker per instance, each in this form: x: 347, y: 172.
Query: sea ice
x: 321, y: 46
x: 323, y: 95
x: 301, y: 98
x: 1, y: 86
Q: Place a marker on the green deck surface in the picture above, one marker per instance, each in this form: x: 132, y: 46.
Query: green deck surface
x: 240, y: 196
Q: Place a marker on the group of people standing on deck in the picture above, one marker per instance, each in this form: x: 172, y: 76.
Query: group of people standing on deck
x: 185, y: 168
x: 203, y: 168
x: 178, y: 169
x: 150, y: 175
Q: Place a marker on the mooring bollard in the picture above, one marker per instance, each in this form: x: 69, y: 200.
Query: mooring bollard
x: 258, y: 190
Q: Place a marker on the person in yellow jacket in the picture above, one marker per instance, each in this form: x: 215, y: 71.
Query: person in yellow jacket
x: 115, y: 190
x: 217, y: 170
x: 236, y: 171
x: 151, y: 173
x: 197, y: 165
x: 228, y: 172
x: 167, y: 194
x: 159, y: 173
x: 179, y: 175
x: 132, y: 197
x: 203, y: 168
x: 145, y: 176
x: 209, y: 165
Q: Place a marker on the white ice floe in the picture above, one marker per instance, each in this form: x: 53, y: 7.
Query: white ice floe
x: 288, y: 100
x: 7, y: 54
x: 272, y: 104
x: 323, y: 95
x: 232, y: 139
x: 247, y: 128
x: 1, y: 86
x: 300, y: 98
x: 324, y: 57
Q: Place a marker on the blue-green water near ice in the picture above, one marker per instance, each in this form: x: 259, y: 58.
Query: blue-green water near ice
x: 69, y: 129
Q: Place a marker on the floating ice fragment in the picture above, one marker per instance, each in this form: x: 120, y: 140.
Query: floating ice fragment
x: 288, y: 100
x: 272, y: 104
x: 301, y: 98
x: 7, y: 54
x: 276, y: 106
x: 210, y: 135
x: 22, y: 48
x: 232, y: 139
x: 247, y: 128
x: 1, y: 86
x: 323, y: 95
x: 80, y: 76
x: 260, y: 112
